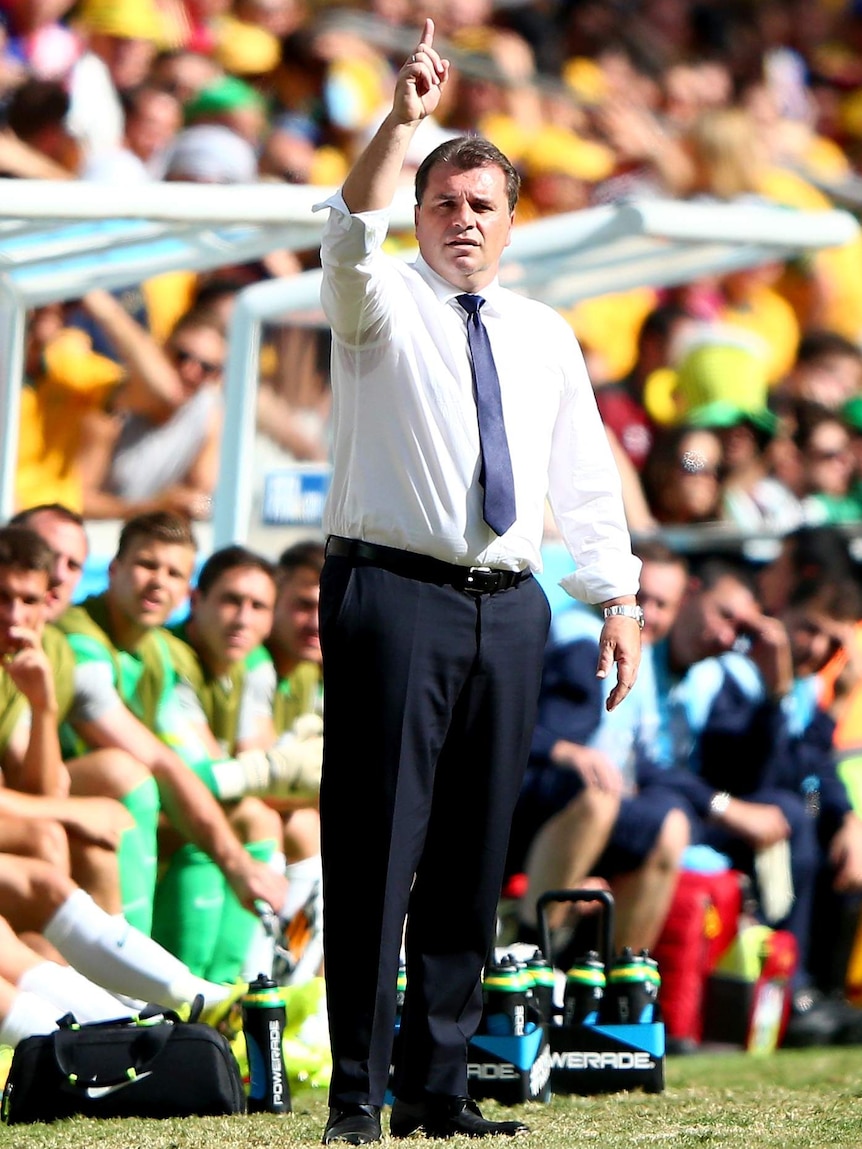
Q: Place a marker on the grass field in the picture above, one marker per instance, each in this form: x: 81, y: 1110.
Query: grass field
x: 802, y: 1099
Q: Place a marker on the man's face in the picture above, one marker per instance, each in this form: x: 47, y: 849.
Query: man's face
x: 69, y: 543
x: 22, y: 605
x: 777, y: 579
x: 661, y: 593
x: 463, y: 224
x: 235, y: 615
x: 150, y: 580
x: 711, y: 621
x: 814, y: 637
x: 295, y: 624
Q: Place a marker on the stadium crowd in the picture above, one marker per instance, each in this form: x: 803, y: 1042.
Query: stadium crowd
x: 148, y: 768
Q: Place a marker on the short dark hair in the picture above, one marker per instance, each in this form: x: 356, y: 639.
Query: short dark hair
x: 712, y: 570
x: 840, y: 600
x: 234, y: 557
x: 656, y: 551
x: 59, y: 510
x: 465, y: 153
x: 817, y: 344
x: 158, y: 526
x: 309, y: 554
x: 24, y: 550
x: 196, y: 317
x: 819, y: 550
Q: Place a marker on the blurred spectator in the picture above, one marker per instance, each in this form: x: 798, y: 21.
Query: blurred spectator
x: 718, y: 362
x: 122, y: 38
x: 733, y: 162
x: 37, y: 113
x: 753, y: 499
x: 211, y: 154
x: 682, y: 476
x: 558, y: 171
x: 152, y: 120
x: 290, y: 154
x: 827, y: 371
x: 183, y: 73
x: 806, y: 554
x: 231, y: 103
x: 828, y: 466
x: 64, y: 379
x: 621, y: 404
x: 751, y: 303
x: 133, y: 462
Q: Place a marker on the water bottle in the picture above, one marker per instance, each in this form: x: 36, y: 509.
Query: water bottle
x: 654, y: 978
x: 585, y: 990
x: 264, y: 1016
x: 542, y: 983
x: 633, y: 984
x: 400, y: 990
x: 504, y: 993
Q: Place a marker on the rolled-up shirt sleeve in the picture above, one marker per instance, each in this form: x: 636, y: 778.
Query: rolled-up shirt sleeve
x: 585, y: 494
x: 348, y: 251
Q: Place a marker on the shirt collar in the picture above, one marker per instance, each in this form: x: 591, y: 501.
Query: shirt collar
x: 446, y: 293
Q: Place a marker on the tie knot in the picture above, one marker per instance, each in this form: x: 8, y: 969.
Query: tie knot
x: 471, y: 303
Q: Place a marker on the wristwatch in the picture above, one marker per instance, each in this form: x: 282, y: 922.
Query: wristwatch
x: 718, y: 803
x: 627, y: 611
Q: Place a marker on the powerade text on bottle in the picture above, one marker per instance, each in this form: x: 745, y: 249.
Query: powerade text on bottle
x: 263, y: 1018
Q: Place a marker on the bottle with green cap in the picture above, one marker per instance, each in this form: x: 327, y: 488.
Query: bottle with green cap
x: 504, y: 993
x: 400, y: 989
x: 263, y: 1019
x: 542, y: 984
x: 633, y: 984
x: 585, y: 990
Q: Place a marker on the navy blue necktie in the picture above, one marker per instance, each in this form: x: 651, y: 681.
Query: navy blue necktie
x: 499, y: 504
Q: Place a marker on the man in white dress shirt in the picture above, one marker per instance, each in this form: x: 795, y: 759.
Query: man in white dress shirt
x: 432, y: 626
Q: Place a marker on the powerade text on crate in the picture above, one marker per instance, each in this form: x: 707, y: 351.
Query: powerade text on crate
x: 608, y: 1035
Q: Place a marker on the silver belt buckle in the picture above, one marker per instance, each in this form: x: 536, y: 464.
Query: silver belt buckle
x: 481, y: 580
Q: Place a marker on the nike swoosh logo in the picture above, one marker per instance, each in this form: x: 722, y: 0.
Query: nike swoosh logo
x: 96, y: 1092
x: 203, y: 903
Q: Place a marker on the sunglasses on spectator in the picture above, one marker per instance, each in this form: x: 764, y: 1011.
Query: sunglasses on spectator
x: 829, y: 456
x: 699, y: 470
x: 207, y: 369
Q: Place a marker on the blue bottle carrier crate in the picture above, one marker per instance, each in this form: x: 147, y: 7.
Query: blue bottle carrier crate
x: 601, y: 1058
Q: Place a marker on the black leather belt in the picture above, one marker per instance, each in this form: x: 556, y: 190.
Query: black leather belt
x: 476, y: 580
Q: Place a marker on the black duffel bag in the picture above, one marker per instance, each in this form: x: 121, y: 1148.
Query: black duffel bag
x: 149, y: 1067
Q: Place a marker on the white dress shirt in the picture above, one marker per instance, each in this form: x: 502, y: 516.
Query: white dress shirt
x: 406, y: 455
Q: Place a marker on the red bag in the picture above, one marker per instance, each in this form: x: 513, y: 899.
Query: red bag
x: 700, y: 925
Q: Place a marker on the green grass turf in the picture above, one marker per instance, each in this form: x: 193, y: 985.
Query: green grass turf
x: 800, y: 1098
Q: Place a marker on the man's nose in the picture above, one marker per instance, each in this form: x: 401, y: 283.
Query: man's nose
x: 464, y: 216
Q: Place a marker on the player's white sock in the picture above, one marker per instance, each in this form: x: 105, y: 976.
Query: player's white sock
x: 260, y: 955
x: 71, y: 992
x: 27, y: 1016
x: 304, y: 878
x: 114, y: 954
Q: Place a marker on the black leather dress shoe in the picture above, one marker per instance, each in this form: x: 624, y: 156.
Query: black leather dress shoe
x: 439, y: 1116
x: 354, y: 1124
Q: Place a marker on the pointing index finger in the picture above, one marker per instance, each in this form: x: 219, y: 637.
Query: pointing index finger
x: 427, y: 34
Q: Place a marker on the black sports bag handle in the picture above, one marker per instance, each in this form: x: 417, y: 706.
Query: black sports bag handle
x: 145, y: 1044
